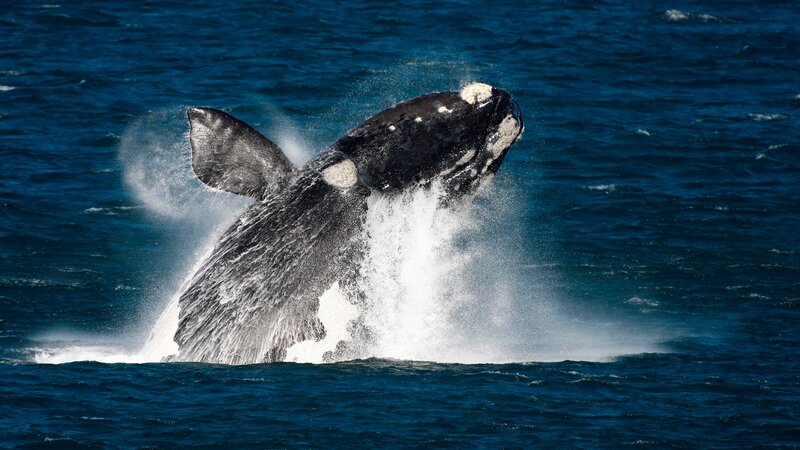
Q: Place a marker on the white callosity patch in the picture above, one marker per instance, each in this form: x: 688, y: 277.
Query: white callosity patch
x: 418, y: 119
x: 335, y: 312
x: 466, y: 158
x: 486, y: 165
x: 444, y: 109
x: 463, y: 160
x: 476, y: 93
x: 506, y: 133
x: 341, y: 175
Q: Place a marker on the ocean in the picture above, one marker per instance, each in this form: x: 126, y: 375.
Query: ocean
x: 629, y: 278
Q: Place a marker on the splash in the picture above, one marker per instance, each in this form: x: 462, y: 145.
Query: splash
x: 414, y: 276
x: 156, y: 161
x: 450, y: 285
x: 158, y: 346
x: 445, y: 284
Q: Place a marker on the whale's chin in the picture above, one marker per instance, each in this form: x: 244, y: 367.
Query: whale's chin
x: 467, y: 179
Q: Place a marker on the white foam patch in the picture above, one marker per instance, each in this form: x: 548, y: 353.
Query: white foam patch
x: 335, y: 312
x: 476, y: 93
x: 605, y: 188
x: 81, y: 349
x: 674, y: 15
x: 765, y: 117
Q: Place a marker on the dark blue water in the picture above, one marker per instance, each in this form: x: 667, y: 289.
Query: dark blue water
x: 656, y: 206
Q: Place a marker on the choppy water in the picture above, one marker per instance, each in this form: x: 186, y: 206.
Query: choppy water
x: 645, y: 227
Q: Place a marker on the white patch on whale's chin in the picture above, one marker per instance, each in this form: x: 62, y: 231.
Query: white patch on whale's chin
x: 341, y: 175
x: 506, y: 133
x: 464, y: 159
x: 476, y: 93
x: 335, y: 313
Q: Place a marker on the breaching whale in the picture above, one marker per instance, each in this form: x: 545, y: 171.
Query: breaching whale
x: 258, y: 292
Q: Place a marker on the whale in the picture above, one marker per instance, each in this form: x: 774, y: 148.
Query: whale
x: 257, y: 294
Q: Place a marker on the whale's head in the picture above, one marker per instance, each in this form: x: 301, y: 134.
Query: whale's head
x: 457, y: 137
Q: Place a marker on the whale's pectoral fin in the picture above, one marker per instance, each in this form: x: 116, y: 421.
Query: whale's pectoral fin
x: 230, y: 155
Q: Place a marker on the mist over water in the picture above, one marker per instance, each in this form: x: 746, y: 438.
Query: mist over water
x: 156, y: 159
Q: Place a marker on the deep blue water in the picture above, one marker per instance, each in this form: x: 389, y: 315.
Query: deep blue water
x: 657, y: 189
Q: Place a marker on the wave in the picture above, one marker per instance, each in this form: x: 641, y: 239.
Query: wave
x: 758, y: 117
x: 674, y: 15
x: 604, y: 188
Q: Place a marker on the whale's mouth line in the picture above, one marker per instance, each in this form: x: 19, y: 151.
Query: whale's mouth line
x: 516, y: 111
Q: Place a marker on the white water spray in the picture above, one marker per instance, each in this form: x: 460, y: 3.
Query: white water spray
x: 447, y: 285
x: 156, y: 161
x: 412, y: 275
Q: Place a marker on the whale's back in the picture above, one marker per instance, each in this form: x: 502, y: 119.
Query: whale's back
x: 257, y: 294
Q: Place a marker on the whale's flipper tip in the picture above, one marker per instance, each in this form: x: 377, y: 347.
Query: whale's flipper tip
x: 230, y: 155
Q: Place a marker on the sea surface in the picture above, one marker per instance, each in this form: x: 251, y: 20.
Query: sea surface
x: 630, y: 278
